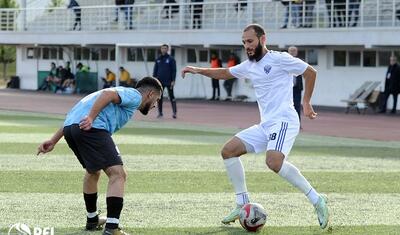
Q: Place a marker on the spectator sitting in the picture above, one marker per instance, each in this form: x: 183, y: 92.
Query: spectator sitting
x: 62, y: 76
x: 68, y: 84
x: 80, y: 68
x: 109, y: 80
x: 125, y: 77
x: 50, y: 79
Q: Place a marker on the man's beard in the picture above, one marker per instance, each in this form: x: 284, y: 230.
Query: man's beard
x: 257, y: 53
x: 145, y: 110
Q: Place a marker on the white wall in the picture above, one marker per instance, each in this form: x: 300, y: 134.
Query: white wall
x: 336, y: 83
x: 333, y: 83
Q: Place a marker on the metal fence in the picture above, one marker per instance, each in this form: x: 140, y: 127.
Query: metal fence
x: 214, y: 15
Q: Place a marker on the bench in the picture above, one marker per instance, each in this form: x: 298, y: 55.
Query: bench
x: 362, y: 95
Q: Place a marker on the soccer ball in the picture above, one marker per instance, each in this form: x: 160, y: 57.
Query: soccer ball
x: 252, y: 217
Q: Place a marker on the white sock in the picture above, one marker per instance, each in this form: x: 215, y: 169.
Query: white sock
x: 91, y: 215
x: 242, y: 198
x: 112, y: 220
x: 293, y: 176
x: 236, y: 175
x: 313, y: 196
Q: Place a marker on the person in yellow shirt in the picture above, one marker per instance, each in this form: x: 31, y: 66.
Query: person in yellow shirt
x: 109, y: 80
x: 125, y: 77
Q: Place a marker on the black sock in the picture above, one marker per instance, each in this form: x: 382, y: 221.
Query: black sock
x: 114, y: 207
x: 91, y: 205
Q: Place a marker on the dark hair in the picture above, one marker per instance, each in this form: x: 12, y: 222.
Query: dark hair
x: 121, y: 68
x: 150, y: 82
x: 257, y: 28
x: 164, y: 45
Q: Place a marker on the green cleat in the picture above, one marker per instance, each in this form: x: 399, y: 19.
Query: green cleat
x: 234, y: 215
x: 321, y: 209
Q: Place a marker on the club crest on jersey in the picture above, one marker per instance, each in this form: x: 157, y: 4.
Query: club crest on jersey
x: 267, y: 68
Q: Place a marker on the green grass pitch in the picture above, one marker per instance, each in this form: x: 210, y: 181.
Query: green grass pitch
x: 177, y: 182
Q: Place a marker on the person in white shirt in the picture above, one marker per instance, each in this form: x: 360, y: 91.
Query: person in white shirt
x: 272, y: 76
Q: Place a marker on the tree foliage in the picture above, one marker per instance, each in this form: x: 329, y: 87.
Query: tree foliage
x: 8, y: 4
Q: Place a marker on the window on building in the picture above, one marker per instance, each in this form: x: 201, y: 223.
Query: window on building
x: 339, y: 58
x: 85, y: 54
x: 354, y: 58
x: 191, y: 55
x: 46, y: 53
x: 95, y: 54
x: 225, y: 55
x: 33, y: 53
x: 301, y: 54
x: 139, y: 54
x: 151, y: 54
x: 53, y: 53
x: 173, y: 52
x: 112, y: 54
x: 397, y: 54
x: 384, y: 58
x: 214, y: 52
x: 131, y: 54
x: 369, y: 59
x: 104, y: 54
x: 60, y: 53
x: 203, y: 54
x: 312, y: 56
x: 38, y: 52
x: 30, y: 53
x: 78, y: 53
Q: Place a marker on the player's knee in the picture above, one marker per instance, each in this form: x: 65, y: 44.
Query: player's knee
x: 124, y: 175
x: 118, y: 174
x: 273, y: 164
x: 95, y: 175
x: 92, y: 175
x: 121, y: 175
x: 227, y: 152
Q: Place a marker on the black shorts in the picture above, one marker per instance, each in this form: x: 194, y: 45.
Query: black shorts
x: 94, y: 149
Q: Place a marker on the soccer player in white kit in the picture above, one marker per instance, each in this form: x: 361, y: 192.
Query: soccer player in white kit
x: 272, y: 74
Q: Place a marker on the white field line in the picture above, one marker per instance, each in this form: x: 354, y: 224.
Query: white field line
x: 301, y: 141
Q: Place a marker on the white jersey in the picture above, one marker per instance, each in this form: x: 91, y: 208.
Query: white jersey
x: 272, y: 78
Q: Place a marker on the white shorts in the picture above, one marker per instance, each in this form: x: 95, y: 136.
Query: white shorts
x: 279, y: 136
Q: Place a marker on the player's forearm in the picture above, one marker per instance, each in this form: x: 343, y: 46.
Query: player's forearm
x: 310, y: 76
x: 216, y: 73
x: 58, y: 135
x: 105, y: 98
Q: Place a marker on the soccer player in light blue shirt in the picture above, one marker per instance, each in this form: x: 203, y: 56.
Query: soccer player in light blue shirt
x: 87, y: 130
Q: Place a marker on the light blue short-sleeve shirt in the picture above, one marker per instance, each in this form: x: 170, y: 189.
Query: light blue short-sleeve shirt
x: 114, y: 116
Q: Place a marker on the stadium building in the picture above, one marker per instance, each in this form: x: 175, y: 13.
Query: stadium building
x: 348, y: 42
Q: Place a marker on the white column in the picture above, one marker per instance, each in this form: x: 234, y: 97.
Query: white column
x: 117, y: 65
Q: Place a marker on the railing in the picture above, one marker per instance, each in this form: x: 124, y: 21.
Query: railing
x: 216, y: 15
